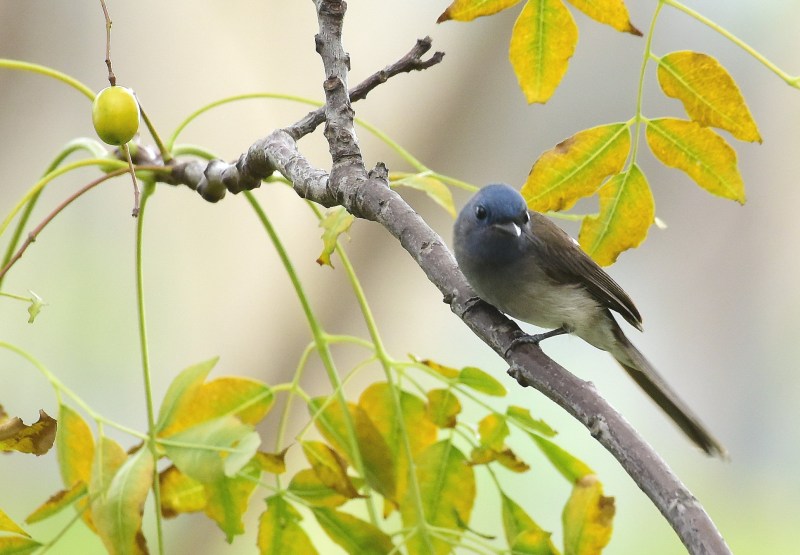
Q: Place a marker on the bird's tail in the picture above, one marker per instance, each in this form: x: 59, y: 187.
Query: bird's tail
x: 657, y: 388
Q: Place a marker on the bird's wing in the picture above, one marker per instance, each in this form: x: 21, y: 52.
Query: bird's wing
x: 567, y: 263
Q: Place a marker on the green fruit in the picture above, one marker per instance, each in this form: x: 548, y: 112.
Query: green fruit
x: 115, y: 114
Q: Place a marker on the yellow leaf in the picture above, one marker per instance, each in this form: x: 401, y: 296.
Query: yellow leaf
x: 576, y: 167
x: 75, y: 449
x: 443, y: 407
x: 58, y: 501
x: 279, y: 532
x: 440, y: 369
x: 8, y: 525
x: 437, y: 191
x: 247, y: 399
x: 542, y: 42
x: 180, y: 494
x: 337, y: 220
x: 587, y: 518
x: 329, y: 467
x: 511, y: 461
x: 274, y: 463
x: 307, y: 486
x: 705, y: 156
x: 378, y: 402
x: 376, y: 456
x: 17, y: 545
x: 610, y: 12
x: 627, y: 210
x: 493, y: 431
x: 37, y: 438
x: 708, y: 93
x: 447, y: 488
x: 467, y: 10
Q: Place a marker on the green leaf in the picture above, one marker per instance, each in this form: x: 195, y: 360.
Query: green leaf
x: 228, y: 499
x: 542, y: 42
x: 180, y: 392
x: 279, y: 532
x: 330, y: 468
x: 443, y: 407
x: 705, y: 156
x: 467, y: 10
x: 523, y: 535
x: 180, y: 494
x: 447, y: 488
x: 627, y: 210
x: 354, y: 535
x: 213, y: 450
x: 576, y: 167
x: 569, y: 466
x: 16, y: 545
x: 35, y: 307
x: 307, y: 486
x: 523, y: 418
x: 117, y: 511
x: 437, y: 191
x: 587, y: 518
x: 609, y: 12
x: 337, y: 220
x: 708, y: 93
x: 479, y: 380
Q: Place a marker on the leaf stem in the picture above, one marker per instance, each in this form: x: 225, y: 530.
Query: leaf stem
x: 793, y: 81
x: 386, y: 363
x: 637, y: 119
x: 49, y: 72
x: 321, y: 341
x: 149, y: 188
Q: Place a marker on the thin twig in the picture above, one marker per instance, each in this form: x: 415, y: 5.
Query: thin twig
x: 112, y: 79
x: 58, y: 209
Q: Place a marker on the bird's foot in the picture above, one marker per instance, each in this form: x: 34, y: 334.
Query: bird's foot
x: 535, y: 338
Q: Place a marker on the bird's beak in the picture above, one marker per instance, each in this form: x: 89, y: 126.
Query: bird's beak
x: 509, y: 228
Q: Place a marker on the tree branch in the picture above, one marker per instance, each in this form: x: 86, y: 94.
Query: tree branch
x: 366, y: 195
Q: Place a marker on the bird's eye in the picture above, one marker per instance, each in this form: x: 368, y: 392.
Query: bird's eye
x: 480, y: 212
x: 526, y: 217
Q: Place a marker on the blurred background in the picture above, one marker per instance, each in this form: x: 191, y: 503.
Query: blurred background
x: 717, y: 288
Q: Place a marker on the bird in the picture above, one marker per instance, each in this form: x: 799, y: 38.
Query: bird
x: 527, y: 267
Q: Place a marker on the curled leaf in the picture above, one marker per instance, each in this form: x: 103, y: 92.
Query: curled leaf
x: 337, y: 220
x: 36, y: 438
